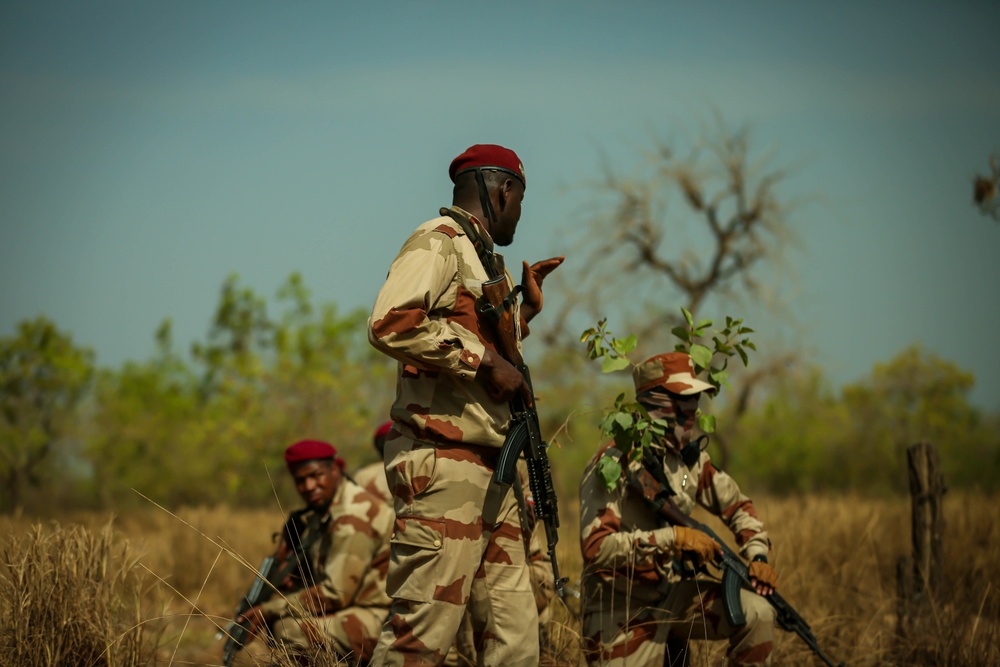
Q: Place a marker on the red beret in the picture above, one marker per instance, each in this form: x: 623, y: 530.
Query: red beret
x: 383, y: 430
x: 488, y: 156
x: 311, y: 450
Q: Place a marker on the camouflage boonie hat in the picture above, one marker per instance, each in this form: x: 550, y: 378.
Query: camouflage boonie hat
x: 673, y: 371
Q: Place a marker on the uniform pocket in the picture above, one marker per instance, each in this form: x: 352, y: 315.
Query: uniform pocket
x: 411, y: 468
x: 416, y: 550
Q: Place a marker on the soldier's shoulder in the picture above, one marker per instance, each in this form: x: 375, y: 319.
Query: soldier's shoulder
x: 358, y: 498
x: 442, y: 224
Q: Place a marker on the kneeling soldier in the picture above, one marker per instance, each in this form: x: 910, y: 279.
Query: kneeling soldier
x: 636, y: 597
x: 335, y: 598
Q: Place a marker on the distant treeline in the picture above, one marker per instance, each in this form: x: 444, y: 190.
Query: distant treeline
x: 209, y: 426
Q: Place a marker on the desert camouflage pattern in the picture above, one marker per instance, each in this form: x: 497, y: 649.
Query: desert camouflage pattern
x: 463, y: 651
x: 634, y: 597
x: 425, y: 318
x: 372, y: 479
x: 342, y: 603
x: 445, y: 562
x: 673, y: 371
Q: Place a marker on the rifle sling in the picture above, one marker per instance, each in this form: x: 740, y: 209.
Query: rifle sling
x: 487, y: 257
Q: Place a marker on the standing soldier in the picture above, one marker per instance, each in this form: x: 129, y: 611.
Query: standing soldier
x: 635, y: 598
x: 372, y: 476
x: 335, y: 601
x: 450, y: 419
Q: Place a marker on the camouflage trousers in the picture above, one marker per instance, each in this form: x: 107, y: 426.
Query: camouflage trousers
x: 692, y: 610
x: 351, y: 633
x: 445, y: 561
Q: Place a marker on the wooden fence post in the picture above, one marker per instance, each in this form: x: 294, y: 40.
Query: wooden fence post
x: 918, y: 576
x: 926, y: 499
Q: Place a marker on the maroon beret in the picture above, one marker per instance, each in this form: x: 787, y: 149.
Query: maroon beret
x: 311, y: 450
x: 488, y: 156
x: 383, y: 430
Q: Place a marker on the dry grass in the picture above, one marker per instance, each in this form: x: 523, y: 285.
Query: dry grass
x: 71, y: 596
x: 836, y: 556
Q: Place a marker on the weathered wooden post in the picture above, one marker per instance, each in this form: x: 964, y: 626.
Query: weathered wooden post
x: 918, y: 576
x: 926, y: 499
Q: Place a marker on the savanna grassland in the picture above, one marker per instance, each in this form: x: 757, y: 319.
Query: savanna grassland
x: 153, y: 587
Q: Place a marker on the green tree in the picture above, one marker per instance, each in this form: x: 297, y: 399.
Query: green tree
x: 805, y: 437
x: 918, y: 396
x: 43, y: 377
x: 204, y: 431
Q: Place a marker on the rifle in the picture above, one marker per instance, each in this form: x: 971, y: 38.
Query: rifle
x: 524, y: 434
x: 290, y: 559
x: 656, y: 493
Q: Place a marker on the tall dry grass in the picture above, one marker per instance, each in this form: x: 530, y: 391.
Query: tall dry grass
x: 71, y: 596
x: 836, y: 557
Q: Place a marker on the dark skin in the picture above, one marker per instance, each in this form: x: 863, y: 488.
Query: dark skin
x: 317, y: 482
x: 506, y: 196
x: 685, y: 410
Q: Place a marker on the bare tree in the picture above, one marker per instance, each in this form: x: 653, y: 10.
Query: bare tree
x: 641, y: 237
x: 691, y: 226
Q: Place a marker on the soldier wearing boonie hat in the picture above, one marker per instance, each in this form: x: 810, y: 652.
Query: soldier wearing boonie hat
x: 638, y: 609
x: 337, y: 598
x: 450, y: 419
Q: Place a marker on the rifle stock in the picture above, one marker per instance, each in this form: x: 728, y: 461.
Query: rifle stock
x: 524, y: 434
x: 735, y: 575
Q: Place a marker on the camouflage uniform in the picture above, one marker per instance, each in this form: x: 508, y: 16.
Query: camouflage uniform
x: 439, y: 458
x: 540, y: 572
x: 372, y: 479
x: 634, y: 598
x: 342, y: 602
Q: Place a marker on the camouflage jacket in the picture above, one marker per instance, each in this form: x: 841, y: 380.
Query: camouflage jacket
x: 425, y: 318
x: 372, y: 479
x: 627, y: 549
x: 348, y: 564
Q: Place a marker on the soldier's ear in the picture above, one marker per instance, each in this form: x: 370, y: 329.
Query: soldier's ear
x: 504, y: 192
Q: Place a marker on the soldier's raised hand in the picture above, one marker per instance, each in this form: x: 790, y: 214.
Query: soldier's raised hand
x: 532, y: 278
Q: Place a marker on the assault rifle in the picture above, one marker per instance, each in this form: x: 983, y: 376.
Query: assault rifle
x: 657, y: 495
x: 524, y: 434
x: 289, y: 560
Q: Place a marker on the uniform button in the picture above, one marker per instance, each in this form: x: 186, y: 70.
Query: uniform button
x: 437, y: 543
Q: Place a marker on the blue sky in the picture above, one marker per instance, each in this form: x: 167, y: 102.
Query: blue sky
x: 150, y: 149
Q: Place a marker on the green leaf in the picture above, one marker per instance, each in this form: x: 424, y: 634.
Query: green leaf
x: 681, y: 333
x: 612, y: 364
x: 720, y: 377
x: 704, y: 324
x: 743, y: 355
x: 688, y: 317
x: 746, y: 330
x: 647, y: 438
x: 701, y: 355
x: 624, y: 419
x: 610, y: 471
x: 750, y: 345
x: 707, y: 423
x: 625, y: 345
